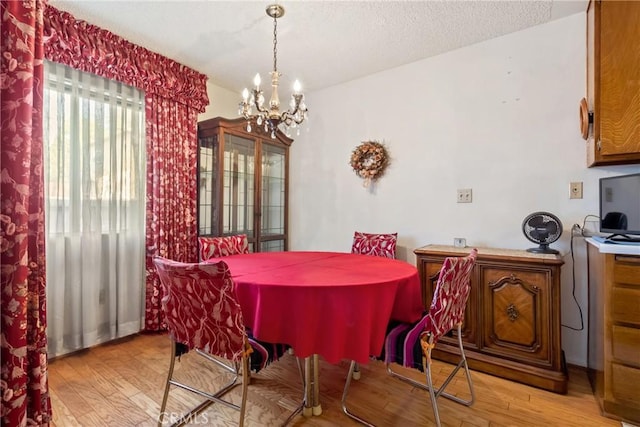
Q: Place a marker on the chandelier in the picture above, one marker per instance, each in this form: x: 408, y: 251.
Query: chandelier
x: 270, y: 116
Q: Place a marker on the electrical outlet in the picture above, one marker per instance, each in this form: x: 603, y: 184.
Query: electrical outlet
x: 464, y: 195
x: 459, y: 242
x: 575, y: 190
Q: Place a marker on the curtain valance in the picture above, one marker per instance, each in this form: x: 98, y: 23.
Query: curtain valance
x: 89, y: 48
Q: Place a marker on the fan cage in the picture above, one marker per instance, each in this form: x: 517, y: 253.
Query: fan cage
x: 542, y: 228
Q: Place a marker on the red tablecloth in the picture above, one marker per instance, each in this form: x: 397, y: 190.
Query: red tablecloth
x: 328, y: 303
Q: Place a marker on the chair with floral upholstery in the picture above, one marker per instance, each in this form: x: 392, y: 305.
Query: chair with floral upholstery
x: 202, y: 314
x: 383, y: 245
x: 216, y: 247
x: 410, y: 344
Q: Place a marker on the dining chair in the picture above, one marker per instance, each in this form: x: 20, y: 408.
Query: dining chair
x: 383, y: 245
x: 216, y: 247
x: 202, y: 314
x: 410, y: 344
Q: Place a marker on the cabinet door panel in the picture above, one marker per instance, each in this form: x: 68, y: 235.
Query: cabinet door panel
x: 613, y: 76
x: 619, y: 78
x: 516, y: 307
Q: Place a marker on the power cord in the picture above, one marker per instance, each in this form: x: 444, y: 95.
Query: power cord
x: 583, y: 231
x: 580, y: 231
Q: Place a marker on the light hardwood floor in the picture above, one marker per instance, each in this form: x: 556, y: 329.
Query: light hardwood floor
x: 121, y: 384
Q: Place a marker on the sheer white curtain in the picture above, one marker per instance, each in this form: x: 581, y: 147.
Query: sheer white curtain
x: 95, y: 208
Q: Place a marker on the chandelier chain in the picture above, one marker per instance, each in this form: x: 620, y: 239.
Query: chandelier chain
x: 275, y: 44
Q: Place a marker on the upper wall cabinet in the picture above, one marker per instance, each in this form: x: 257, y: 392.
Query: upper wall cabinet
x: 613, y: 82
x: 243, y: 183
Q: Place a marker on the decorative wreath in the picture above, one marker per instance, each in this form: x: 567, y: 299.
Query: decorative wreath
x: 369, y: 160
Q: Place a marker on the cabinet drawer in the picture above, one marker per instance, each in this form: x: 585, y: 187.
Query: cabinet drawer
x: 625, y: 305
x: 626, y: 344
x: 625, y: 384
x: 626, y: 269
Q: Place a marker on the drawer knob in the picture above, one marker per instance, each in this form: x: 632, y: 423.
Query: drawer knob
x: 512, y: 312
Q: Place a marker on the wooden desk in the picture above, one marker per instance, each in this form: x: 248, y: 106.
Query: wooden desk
x: 614, y: 328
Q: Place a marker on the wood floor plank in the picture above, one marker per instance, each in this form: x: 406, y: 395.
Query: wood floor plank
x: 62, y: 416
x: 121, y: 384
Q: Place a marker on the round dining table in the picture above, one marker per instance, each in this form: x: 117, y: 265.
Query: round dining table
x: 333, y: 304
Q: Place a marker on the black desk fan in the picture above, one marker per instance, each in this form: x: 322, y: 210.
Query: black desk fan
x: 542, y: 228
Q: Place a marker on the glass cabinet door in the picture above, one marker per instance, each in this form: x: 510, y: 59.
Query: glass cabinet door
x: 238, y: 190
x: 208, y: 187
x: 272, y: 222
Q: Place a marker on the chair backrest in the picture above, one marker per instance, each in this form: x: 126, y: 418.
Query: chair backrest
x: 450, y: 296
x: 383, y: 245
x: 200, y: 307
x: 216, y: 247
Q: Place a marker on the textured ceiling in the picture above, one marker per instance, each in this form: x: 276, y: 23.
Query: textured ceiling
x: 322, y: 43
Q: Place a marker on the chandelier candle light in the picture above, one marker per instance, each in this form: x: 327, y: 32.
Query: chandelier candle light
x: 271, y: 117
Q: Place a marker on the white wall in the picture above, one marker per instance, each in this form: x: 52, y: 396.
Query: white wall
x: 222, y: 103
x: 500, y: 117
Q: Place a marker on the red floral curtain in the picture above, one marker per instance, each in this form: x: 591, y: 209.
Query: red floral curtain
x: 23, y: 383
x: 174, y: 95
x: 92, y: 49
x: 171, y: 193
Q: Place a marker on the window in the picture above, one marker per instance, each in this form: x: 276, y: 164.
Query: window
x: 94, y: 208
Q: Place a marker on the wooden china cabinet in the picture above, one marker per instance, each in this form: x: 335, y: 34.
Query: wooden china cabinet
x: 613, y: 83
x: 243, y: 183
x: 512, y: 320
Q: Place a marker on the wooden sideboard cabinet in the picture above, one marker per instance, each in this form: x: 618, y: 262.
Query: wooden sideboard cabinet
x: 512, y: 320
x: 614, y: 332
x: 613, y: 76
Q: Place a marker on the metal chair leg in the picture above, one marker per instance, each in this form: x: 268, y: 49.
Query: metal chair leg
x: 246, y: 376
x: 304, y: 402
x: 165, y: 396
x: 351, y: 415
x: 432, y: 394
x: 210, y: 398
x: 440, y: 391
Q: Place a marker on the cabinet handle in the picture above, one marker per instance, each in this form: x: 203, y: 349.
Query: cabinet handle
x: 512, y: 312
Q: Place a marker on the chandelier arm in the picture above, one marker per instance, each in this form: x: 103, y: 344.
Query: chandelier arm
x: 288, y: 117
x: 256, y: 96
